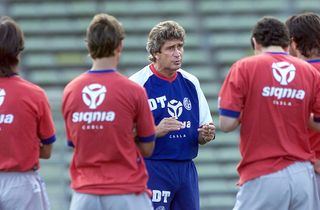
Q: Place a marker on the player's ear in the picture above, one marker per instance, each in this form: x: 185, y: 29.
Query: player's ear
x: 256, y: 46
x: 293, y: 44
x: 252, y: 43
x: 156, y: 55
x: 120, y: 47
x: 86, y: 43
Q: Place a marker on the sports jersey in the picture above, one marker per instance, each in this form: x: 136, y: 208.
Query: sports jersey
x: 315, y: 136
x: 275, y: 94
x: 25, y: 122
x: 180, y: 97
x: 100, y: 109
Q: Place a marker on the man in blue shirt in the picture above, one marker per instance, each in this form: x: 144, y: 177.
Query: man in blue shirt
x: 182, y: 116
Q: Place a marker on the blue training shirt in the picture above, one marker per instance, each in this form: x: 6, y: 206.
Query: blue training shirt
x: 181, y: 98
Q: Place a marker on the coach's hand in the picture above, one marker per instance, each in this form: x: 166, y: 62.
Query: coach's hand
x: 168, y: 124
x: 207, y: 132
x: 317, y: 166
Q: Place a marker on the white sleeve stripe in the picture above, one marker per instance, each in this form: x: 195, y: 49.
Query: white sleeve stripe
x: 204, y: 110
x: 142, y: 76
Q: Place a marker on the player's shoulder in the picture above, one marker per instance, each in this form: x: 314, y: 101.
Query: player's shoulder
x: 30, y: 87
x: 303, y: 65
x: 186, y: 75
x: 142, y: 76
x: 129, y: 84
x: 77, y: 80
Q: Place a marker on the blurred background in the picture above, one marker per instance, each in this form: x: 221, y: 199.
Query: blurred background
x: 218, y: 33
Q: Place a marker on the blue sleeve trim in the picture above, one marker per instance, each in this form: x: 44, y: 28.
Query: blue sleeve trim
x: 316, y: 119
x: 70, y: 144
x: 49, y: 140
x: 229, y: 113
x: 147, y: 139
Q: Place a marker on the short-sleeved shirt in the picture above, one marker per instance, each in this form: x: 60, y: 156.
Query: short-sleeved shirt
x: 275, y: 94
x: 315, y: 136
x: 101, y: 109
x: 180, y: 97
x: 25, y: 123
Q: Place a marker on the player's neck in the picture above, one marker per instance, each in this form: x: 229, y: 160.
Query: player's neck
x: 272, y: 49
x: 104, y: 63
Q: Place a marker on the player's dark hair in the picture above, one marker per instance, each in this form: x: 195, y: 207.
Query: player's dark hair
x: 304, y: 29
x: 11, y: 44
x: 104, y: 35
x: 162, y: 32
x: 270, y: 31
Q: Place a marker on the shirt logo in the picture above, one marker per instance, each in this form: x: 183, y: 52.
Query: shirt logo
x: 5, y: 118
x: 93, y: 95
x: 187, y: 104
x: 283, y: 72
x: 2, y: 95
x: 174, y: 108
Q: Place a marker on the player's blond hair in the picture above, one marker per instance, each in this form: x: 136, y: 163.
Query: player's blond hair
x: 162, y: 32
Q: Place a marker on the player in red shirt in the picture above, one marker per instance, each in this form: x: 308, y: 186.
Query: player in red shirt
x: 103, y: 112
x: 271, y: 96
x: 26, y: 128
x: 304, y: 32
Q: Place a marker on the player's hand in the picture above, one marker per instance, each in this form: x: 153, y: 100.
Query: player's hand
x: 317, y: 166
x: 168, y: 124
x: 207, y: 132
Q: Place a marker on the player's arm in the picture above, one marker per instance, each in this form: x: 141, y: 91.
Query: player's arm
x: 45, y: 151
x: 144, y: 128
x: 145, y: 144
x: 228, y: 124
x: 317, y: 166
x: 146, y: 148
x: 314, y: 123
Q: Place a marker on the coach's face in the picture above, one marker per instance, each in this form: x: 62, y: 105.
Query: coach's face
x: 170, y: 56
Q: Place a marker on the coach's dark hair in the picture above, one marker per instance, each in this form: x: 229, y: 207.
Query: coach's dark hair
x: 270, y: 31
x: 304, y: 30
x: 104, y: 35
x: 162, y: 32
x: 11, y: 44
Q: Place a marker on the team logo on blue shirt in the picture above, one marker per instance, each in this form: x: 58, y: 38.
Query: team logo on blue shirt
x: 187, y: 104
x: 174, y: 108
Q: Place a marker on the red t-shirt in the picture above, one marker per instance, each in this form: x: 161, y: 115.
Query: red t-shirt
x: 100, y: 109
x: 315, y: 136
x: 275, y: 94
x: 25, y: 122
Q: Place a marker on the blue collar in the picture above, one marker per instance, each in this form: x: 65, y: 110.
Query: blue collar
x: 101, y: 71
x: 313, y: 61
x: 282, y: 53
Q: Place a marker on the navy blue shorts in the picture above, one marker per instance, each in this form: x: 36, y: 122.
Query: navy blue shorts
x: 174, y: 184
